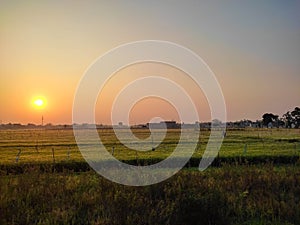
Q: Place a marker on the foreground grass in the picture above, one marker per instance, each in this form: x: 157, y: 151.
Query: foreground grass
x: 262, y: 194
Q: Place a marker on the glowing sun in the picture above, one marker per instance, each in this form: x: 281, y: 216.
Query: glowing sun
x: 39, y: 103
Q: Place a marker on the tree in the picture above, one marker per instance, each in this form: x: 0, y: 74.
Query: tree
x: 270, y: 118
x: 288, y: 119
x: 296, y: 117
x: 292, y: 119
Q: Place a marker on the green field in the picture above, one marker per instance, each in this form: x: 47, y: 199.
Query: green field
x: 38, y: 145
x: 254, y: 180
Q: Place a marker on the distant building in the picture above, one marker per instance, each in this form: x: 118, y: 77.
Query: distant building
x: 171, y: 124
x: 163, y: 124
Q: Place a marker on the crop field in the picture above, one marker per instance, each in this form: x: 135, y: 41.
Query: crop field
x: 41, y: 145
x: 254, y: 180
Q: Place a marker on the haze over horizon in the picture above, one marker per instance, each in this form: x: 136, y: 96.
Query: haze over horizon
x: 253, y: 48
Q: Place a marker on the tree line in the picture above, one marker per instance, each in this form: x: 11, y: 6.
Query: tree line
x: 291, y: 119
x: 288, y: 120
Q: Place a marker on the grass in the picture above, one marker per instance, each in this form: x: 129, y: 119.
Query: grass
x: 258, y: 186
x: 36, y: 145
x: 229, y: 195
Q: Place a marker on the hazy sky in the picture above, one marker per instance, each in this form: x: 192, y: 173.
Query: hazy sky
x: 253, y: 47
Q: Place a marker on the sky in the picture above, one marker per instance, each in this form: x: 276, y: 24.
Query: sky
x: 252, y: 47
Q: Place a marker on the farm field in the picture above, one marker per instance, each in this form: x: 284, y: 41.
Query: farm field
x: 44, y: 180
x: 39, y: 145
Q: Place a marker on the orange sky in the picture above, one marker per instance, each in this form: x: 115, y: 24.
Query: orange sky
x: 150, y: 107
x: 45, y: 48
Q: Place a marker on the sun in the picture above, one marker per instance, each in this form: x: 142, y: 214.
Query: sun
x: 39, y: 102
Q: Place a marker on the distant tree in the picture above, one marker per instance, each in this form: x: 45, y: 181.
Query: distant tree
x: 296, y: 117
x: 259, y: 123
x: 292, y: 119
x: 270, y: 118
x: 31, y: 125
x: 216, y: 122
x: 281, y: 123
x: 288, y: 119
